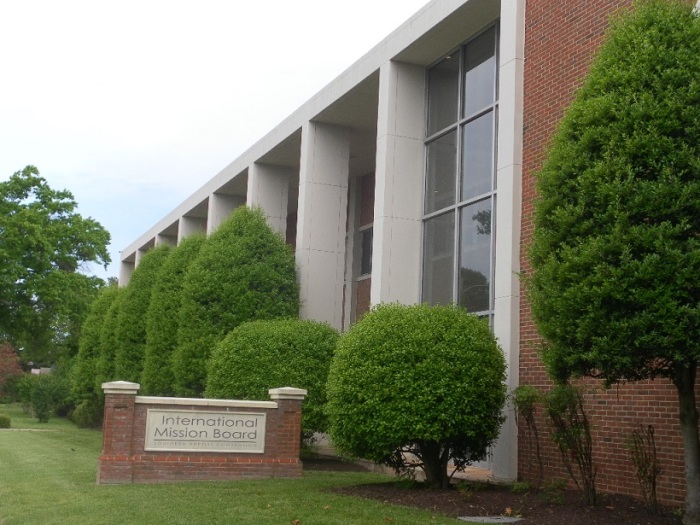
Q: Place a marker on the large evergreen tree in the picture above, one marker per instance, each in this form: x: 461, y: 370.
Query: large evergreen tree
x: 157, y: 378
x: 244, y: 272
x: 131, y: 322
x: 87, y: 394
x: 109, y: 341
x: 616, y: 251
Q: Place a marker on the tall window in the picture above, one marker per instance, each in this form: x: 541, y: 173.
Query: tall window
x: 460, y: 181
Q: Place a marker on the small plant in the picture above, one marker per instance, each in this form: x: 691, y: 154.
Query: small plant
x: 521, y: 487
x: 571, y: 432
x: 642, y: 447
x: 5, y: 421
x: 525, y: 399
x: 553, y: 492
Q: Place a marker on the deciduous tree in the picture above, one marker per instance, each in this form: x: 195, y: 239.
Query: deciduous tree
x: 44, y: 243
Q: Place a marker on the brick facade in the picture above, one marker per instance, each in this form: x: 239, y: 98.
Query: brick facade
x: 561, y: 37
x: 124, y: 459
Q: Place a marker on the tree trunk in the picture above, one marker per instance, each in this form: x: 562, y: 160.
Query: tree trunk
x: 435, y: 465
x: 688, y: 414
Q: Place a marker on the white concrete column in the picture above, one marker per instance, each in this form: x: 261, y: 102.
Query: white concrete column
x: 220, y: 208
x: 126, y: 269
x: 139, y: 254
x: 189, y: 225
x: 321, y: 221
x: 396, y: 250
x: 352, y: 263
x: 170, y: 240
x: 508, y: 211
x: 268, y: 187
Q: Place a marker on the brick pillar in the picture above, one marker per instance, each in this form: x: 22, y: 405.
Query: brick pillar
x: 116, y: 462
x: 289, y: 423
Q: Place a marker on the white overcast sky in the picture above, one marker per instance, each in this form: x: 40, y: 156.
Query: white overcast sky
x: 133, y: 105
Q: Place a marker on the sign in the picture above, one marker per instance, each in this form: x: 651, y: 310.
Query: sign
x: 182, y: 431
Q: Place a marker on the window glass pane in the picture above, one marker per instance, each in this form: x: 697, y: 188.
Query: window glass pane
x: 477, y: 156
x: 441, y: 176
x: 480, y: 72
x: 443, y: 94
x: 475, y: 257
x: 438, y: 259
x: 366, y: 258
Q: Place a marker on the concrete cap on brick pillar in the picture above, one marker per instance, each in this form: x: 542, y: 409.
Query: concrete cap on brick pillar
x: 287, y: 392
x: 121, y: 387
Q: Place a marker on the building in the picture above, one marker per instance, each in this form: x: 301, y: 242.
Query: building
x: 409, y: 178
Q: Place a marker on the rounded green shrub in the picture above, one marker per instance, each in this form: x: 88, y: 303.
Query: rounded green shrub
x: 261, y: 355
x: 244, y: 272
x: 131, y: 322
x: 420, y: 381
x: 89, y: 413
x: 157, y: 378
x: 5, y: 421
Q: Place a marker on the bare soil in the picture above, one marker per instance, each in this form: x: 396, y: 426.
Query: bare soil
x: 550, y: 506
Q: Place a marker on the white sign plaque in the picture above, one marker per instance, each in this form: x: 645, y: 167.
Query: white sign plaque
x: 187, y: 430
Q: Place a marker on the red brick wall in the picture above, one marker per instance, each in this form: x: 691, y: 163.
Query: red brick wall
x: 561, y: 38
x: 366, y: 215
x: 124, y: 459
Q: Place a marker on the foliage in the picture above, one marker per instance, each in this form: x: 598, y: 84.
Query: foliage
x: 642, y: 447
x: 109, y: 341
x: 5, y: 421
x: 571, y: 432
x: 526, y: 398
x: 131, y: 321
x: 616, y: 243
x: 9, y: 367
x: 244, y: 272
x: 47, y: 394
x: 86, y: 392
x: 22, y: 392
x: 157, y: 378
x: 43, y: 244
x: 261, y: 355
x: 616, y: 248
x: 421, y: 380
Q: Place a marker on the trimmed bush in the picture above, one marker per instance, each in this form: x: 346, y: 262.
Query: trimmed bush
x: 157, y: 378
x: 5, y: 421
x: 421, y: 382
x: 83, y: 386
x: 89, y: 413
x: 244, y: 272
x: 261, y: 355
x: 131, y: 323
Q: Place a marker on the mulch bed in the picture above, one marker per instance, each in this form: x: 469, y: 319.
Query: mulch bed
x: 547, y: 507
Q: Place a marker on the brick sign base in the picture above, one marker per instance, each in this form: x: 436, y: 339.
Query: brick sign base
x: 222, y: 440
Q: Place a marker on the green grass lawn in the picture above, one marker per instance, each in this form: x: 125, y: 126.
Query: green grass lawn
x: 47, y: 476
